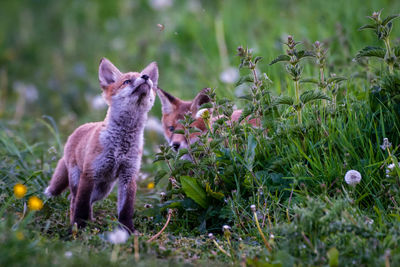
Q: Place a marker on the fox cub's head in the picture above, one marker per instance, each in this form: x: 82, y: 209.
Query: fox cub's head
x: 128, y: 90
x: 173, y: 110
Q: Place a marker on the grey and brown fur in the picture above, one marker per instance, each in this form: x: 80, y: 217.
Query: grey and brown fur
x: 98, y: 155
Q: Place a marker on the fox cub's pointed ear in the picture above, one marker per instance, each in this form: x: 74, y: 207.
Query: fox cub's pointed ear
x: 167, y: 101
x: 199, y: 100
x: 108, y: 73
x: 152, y: 71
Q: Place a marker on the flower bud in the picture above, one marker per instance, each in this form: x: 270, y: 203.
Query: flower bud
x: 253, y: 208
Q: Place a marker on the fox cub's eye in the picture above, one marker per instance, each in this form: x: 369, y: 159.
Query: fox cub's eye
x: 171, y: 128
x: 127, y: 82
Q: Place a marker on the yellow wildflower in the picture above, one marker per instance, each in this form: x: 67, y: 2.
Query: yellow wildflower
x: 150, y: 185
x: 19, y: 235
x: 35, y: 203
x: 19, y: 190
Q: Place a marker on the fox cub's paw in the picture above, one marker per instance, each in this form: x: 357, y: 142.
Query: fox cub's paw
x: 48, y: 193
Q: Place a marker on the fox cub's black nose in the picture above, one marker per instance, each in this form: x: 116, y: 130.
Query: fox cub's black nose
x: 145, y: 77
x: 176, y: 146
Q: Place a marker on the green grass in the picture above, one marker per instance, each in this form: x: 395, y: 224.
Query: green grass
x: 293, y: 174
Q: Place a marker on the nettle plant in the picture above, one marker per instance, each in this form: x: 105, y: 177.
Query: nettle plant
x: 293, y: 57
x: 326, y: 85
x: 385, y: 89
x: 382, y: 29
x: 226, y: 158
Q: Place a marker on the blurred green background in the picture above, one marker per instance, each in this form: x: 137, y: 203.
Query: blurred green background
x: 50, y: 50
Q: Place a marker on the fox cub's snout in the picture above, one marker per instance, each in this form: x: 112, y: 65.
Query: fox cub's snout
x: 98, y: 155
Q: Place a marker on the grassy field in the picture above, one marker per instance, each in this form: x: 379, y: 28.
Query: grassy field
x: 279, y: 189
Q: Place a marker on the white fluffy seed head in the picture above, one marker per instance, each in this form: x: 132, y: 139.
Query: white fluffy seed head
x: 352, y: 177
x: 118, y: 236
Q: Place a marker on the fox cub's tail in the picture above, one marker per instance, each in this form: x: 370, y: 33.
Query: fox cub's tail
x: 59, y: 181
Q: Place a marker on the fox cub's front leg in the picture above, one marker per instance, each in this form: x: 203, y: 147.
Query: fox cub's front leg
x: 126, y: 201
x: 82, y: 210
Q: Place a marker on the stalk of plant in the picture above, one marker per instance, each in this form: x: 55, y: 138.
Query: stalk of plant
x: 136, y: 246
x: 294, y: 69
x: 260, y: 96
x: 170, y: 211
x: 267, y: 245
x: 211, y: 236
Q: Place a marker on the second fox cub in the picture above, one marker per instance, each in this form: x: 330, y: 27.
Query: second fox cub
x: 98, y: 154
x: 174, y: 109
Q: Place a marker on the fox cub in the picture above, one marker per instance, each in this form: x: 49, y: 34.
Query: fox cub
x: 98, y: 154
x: 174, y: 109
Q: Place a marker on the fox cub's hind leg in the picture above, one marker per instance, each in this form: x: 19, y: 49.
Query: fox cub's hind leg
x: 82, y: 205
x: 126, y: 201
x: 59, y: 181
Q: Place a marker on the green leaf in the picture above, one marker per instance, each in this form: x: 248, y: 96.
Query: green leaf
x: 333, y: 256
x: 309, y: 80
x: 182, y: 152
x: 245, y: 79
x: 216, y: 195
x: 257, y: 59
x: 279, y: 59
x: 311, y: 95
x: 179, y: 131
x: 206, y: 105
x: 367, y: 26
x: 302, y: 53
x: 160, y: 174
x: 389, y: 19
x: 193, y: 190
x: 397, y: 51
x: 371, y: 51
x: 336, y: 79
x: 250, y: 152
x: 284, y: 100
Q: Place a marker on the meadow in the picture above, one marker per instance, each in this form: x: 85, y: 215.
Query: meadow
x: 317, y: 184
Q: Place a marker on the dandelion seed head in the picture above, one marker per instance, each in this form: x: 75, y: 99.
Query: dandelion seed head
x: 352, y: 177
x: 118, y: 236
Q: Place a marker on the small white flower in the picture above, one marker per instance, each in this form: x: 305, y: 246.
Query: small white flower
x: 386, y: 144
x: 369, y: 221
x: 118, y: 236
x: 253, y: 208
x: 229, y: 75
x: 211, y: 236
x: 68, y: 254
x: 390, y: 166
x: 352, y: 177
x: 226, y: 228
x: 271, y: 236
